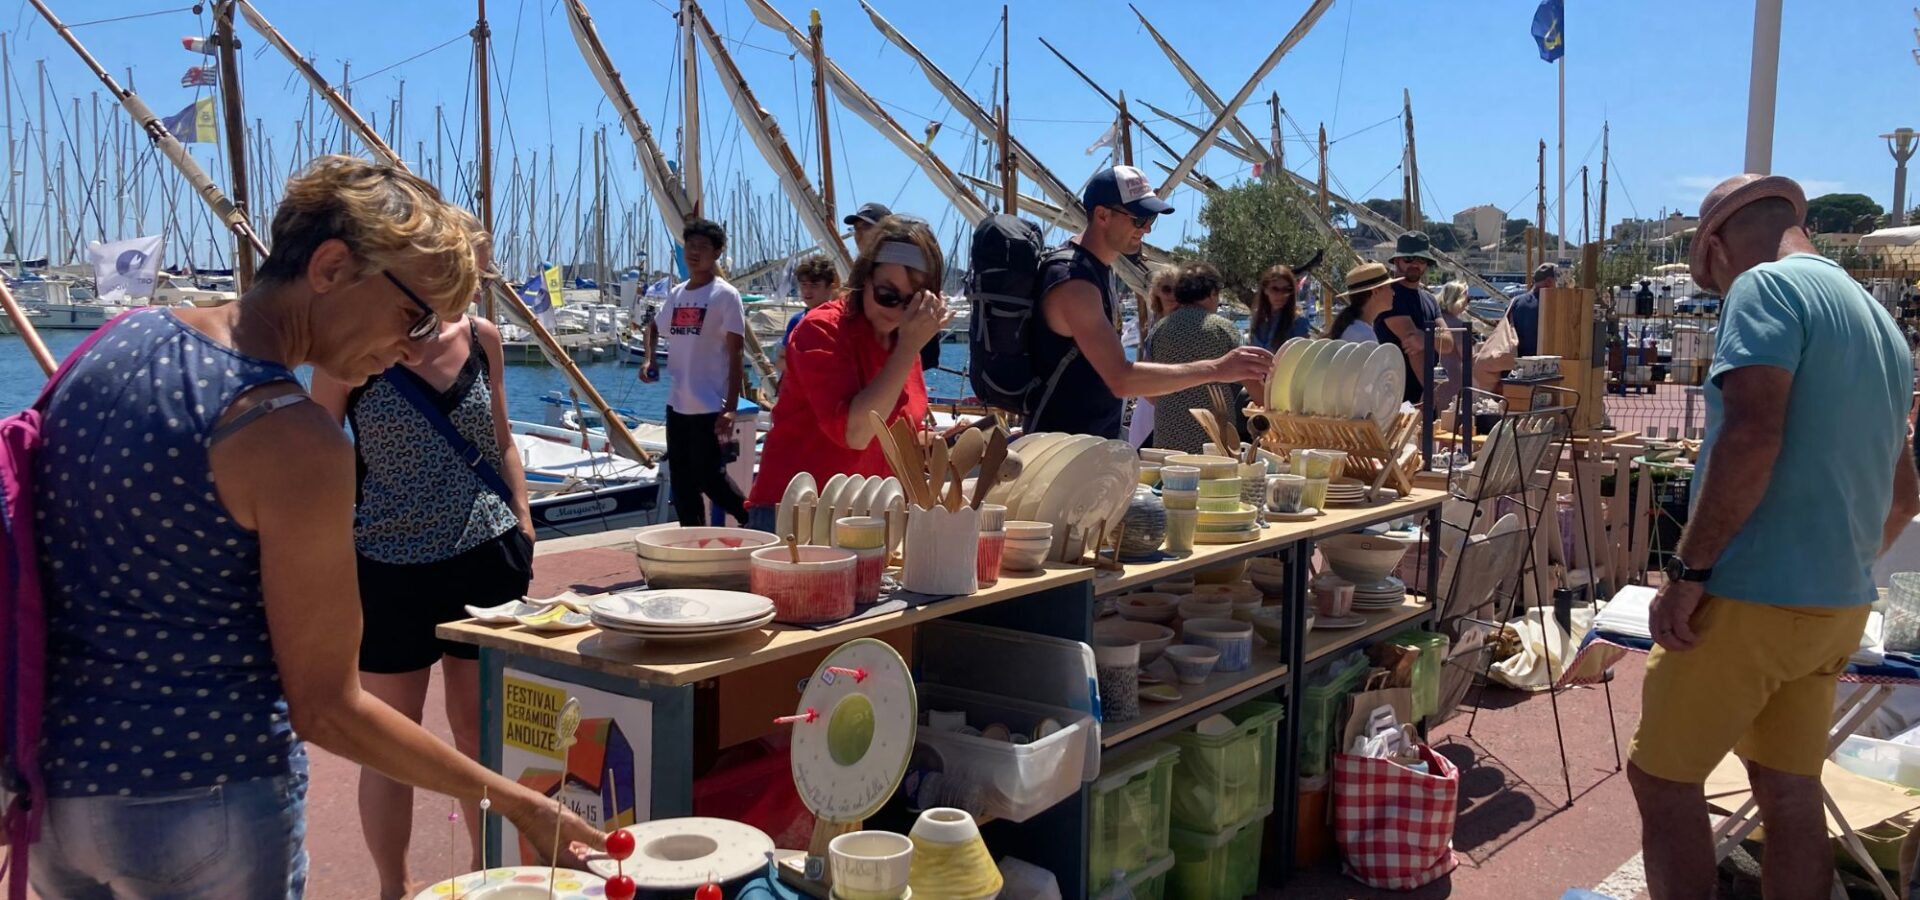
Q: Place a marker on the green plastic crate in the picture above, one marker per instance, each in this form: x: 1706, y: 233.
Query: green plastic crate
x: 1220, y: 866
x: 1320, y: 708
x: 1222, y: 779
x: 1426, y: 669
x: 1130, y: 806
x: 1148, y: 883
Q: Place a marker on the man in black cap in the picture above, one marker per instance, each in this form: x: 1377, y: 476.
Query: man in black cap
x: 1084, y: 369
x: 863, y: 220
x: 1414, y: 310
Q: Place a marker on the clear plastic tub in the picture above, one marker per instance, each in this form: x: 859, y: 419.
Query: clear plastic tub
x: 1217, y: 866
x: 1320, y: 706
x: 1130, y: 814
x: 1146, y: 883
x: 1222, y: 779
x: 1881, y: 760
x: 993, y: 778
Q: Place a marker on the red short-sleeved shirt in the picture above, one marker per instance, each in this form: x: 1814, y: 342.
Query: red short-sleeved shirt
x: 832, y: 354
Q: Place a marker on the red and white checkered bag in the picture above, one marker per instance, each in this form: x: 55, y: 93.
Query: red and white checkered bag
x: 1394, y: 824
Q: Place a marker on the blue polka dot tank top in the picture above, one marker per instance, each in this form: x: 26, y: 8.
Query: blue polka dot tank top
x: 160, y: 674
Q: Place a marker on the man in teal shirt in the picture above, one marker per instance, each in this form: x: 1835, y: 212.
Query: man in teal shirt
x: 1805, y: 478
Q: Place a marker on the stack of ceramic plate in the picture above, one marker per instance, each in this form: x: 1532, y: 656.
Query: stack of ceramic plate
x: 1338, y: 379
x: 1387, y: 593
x: 681, y: 615
x: 1346, y: 491
x: 1082, y: 484
x: 809, y: 514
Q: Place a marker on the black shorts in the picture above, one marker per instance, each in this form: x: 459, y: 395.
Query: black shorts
x: 401, y: 604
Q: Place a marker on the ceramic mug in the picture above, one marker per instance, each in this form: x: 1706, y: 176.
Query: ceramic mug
x: 870, y: 865
x: 1333, y: 596
x: 1286, y: 493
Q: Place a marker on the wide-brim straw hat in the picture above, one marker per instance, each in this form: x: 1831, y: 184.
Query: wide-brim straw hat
x: 1729, y: 197
x: 1367, y: 276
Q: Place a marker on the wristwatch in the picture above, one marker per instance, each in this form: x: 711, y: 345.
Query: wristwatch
x: 1680, y: 571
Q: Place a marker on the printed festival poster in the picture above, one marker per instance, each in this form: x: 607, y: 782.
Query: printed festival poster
x: 604, y: 776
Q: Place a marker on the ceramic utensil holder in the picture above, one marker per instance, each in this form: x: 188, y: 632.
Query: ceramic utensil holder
x: 1117, y: 665
x: 987, y: 565
x: 859, y: 532
x: 943, y: 551
x: 950, y: 861
x: 1286, y: 493
x: 1253, y: 489
x: 818, y: 588
x: 870, y: 865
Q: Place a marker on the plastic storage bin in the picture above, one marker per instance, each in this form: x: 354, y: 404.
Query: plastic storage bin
x: 1426, y: 669
x: 1880, y: 760
x: 1148, y: 883
x: 995, y: 778
x: 1222, y: 779
x: 1130, y: 814
x: 1222, y: 866
x: 1320, y: 707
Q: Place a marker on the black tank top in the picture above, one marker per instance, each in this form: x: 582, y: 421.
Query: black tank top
x: 1072, y: 398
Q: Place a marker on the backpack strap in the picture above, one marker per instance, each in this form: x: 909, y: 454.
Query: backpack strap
x: 462, y: 448
x: 1057, y: 254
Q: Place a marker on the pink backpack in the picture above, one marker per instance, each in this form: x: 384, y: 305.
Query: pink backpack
x: 23, y: 626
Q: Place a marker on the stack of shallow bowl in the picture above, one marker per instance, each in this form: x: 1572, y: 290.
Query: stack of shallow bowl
x: 1026, y: 546
x: 716, y: 558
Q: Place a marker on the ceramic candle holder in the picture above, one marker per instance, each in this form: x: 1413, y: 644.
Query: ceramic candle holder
x: 819, y: 588
x: 870, y: 865
x: 943, y: 551
x: 869, y: 564
x: 987, y: 565
x: 859, y: 532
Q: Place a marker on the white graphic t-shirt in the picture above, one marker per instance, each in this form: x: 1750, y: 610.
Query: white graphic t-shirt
x: 696, y: 322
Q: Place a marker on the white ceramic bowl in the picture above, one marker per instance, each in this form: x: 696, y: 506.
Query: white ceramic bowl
x: 1153, y: 639
x: 1157, y: 455
x: 719, y: 575
x: 1148, y: 607
x: 868, y: 865
x: 1209, y: 466
x: 700, y: 544
x: 1206, y: 608
x: 1025, y: 555
x: 1362, y: 558
x: 1018, y: 530
x: 1191, y: 664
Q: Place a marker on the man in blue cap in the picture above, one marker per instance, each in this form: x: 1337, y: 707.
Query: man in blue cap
x: 1084, y: 368
x: 1413, y: 311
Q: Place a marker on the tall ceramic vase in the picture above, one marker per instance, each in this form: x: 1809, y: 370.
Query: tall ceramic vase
x: 942, y: 552
x: 950, y: 861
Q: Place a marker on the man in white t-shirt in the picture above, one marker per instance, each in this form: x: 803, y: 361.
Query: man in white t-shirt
x: 705, y: 323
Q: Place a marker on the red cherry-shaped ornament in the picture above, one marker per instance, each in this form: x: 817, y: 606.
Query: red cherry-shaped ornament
x: 620, y: 844
x: 708, y: 891
x: 621, y: 887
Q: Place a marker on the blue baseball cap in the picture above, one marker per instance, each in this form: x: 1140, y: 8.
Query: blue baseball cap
x: 1123, y: 186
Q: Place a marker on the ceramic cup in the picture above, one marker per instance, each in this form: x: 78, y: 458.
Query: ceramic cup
x: 943, y: 551
x: 1336, y: 461
x: 1173, y: 499
x: 1180, y: 478
x: 1286, y: 493
x: 1315, y: 495
x: 993, y: 517
x: 1332, y: 595
x: 869, y: 563
x: 1191, y: 664
x: 1117, y: 665
x: 870, y: 865
x: 987, y: 563
x: 859, y: 532
x: 1309, y: 463
x: 1180, y: 526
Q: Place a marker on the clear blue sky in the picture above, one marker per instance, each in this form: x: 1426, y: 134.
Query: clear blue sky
x: 1671, y: 77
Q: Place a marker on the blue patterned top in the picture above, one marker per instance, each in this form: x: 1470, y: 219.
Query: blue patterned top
x: 160, y: 672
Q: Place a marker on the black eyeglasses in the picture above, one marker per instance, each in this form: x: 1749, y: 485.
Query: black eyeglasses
x: 888, y: 297
x: 425, y: 327
x: 1138, y: 221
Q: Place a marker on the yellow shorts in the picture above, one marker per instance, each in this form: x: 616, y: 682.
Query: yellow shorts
x: 1760, y: 683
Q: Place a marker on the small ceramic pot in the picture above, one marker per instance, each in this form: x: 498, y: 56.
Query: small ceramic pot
x: 1192, y: 664
x: 1233, y: 638
x: 859, y: 532
x: 1150, y: 475
x: 987, y: 562
x: 1285, y: 493
x: 819, y: 588
x: 1179, y: 478
x: 1220, y: 487
x: 869, y: 564
x: 943, y: 551
x: 1145, y: 522
x: 1017, y: 530
x: 1180, y: 526
x: 1024, y: 555
x: 870, y: 865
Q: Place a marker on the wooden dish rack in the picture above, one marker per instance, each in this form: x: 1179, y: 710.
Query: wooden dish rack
x: 1368, y: 450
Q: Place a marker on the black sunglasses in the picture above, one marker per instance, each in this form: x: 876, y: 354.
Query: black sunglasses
x: 425, y: 327
x: 888, y: 297
x: 1138, y: 221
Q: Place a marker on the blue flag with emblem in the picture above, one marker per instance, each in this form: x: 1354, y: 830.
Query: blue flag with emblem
x: 1547, y: 29
x: 534, y: 294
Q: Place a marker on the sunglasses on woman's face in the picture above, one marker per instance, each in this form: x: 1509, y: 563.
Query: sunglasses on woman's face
x: 428, y: 324
x: 1281, y: 288
x: 886, y: 296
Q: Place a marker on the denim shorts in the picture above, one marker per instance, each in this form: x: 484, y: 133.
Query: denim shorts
x: 245, y: 840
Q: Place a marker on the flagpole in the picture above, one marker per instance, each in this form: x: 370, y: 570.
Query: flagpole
x: 1763, y: 84
x: 1562, y: 214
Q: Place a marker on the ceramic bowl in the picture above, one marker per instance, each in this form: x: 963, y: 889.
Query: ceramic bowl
x: 1149, y: 475
x: 1270, y: 584
x: 1179, y: 478
x: 859, y: 532
x: 1209, y: 466
x: 1225, y: 573
x: 695, y: 545
x: 1270, y: 623
x: 1157, y: 456
x: 1019, y: 531
x: 1243, y: 607
x: 1148, y: 607
x: 870, y: 865
x: 1362, y: 558
x: 1218, y: 504
x: 719, y: 575
x: 1192, y: 664
x: 1024, y: 555
x: 1220, y: 487
x: 1242, y: 515
x: 819, y: 588
x: 1230, y: 591
x: 1153, y: 639
x: 1233, y: 638
x: 1193, y: 607
x: 1186, y: 500
x: 1178, y: 587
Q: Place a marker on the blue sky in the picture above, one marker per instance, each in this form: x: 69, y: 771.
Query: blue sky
x: 1671, y: 77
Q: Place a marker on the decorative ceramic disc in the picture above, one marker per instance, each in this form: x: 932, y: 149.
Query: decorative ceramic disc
x: 680, y: 854
x: 849, y: 759
x: 567, y: 884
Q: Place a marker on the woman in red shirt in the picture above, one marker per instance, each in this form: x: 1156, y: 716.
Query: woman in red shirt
x: 852, y: 356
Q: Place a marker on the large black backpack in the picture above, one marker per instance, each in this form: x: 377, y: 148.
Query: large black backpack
x: 1003, y: 291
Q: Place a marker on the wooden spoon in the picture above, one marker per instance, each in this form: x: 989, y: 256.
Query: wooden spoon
x: 937, y: 469
x: 889, y: 447
x: 954, y: 499
x: 996, y: 456
x: 914, y: 477
x: 793, y: 549
x: 967, y: 449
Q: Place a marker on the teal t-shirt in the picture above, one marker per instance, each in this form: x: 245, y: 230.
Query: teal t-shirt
x: 1814, y: 537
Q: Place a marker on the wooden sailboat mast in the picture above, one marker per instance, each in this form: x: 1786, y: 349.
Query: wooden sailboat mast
x: 235, y: 121
x: 1009, y: 173
x: 815, y: 34
x: 1410, y: 207
x: 1601, y: 225
x: 690, y: 112
x: 1125, y: 132
x: 1326, y: 209
x: 13, y: 182
x: 483, y: 192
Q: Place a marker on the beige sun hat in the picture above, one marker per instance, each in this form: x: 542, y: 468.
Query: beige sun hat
x: 1729, y: 197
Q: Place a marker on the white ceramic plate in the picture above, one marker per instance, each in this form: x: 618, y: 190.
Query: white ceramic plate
x: 869, y: 495
x: 1279, y: 384
x: 1100, y: 481
x: 800, y: 491
x: 682, y: 634
x: 891, y: 498
x: 1382, y: 382
x: 1307, y: 375
x: 1337, y: 396
x: 687, y: 608
x: 567, y: 883
x: 823, y: 523
x: 1031, y: 483
x: 827, y: 494
x: 1039, y: 477
x: 1338, y: 623
x: 554, y: 619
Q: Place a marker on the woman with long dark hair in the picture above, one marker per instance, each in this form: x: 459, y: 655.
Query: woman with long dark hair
x: 1276, y: 310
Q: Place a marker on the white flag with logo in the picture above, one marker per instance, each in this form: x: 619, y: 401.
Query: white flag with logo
x: 126, y: 268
